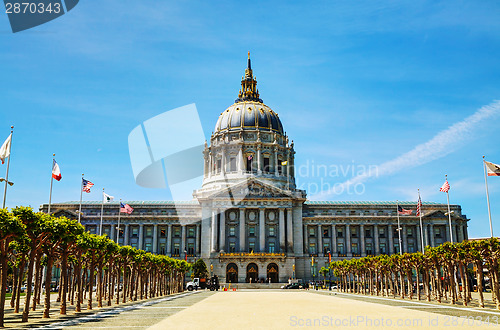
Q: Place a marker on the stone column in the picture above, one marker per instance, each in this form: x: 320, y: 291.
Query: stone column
x: 259, y: 160
x: 155, y: 239
x: 282, y: 229
x: 276, y: 161
x: 198, y: 238
x: 126, y: 235
x: 433, y: 242
x: 183, y: 239
x: 348, y: 240
x: 241, y: 163
x: 426, y: 234
x: 298, y: 238
x: 242, y: 231
x: 169, y: 239
x: 362, y: 252
x: 405, y: 239
x: 391, y: 239
x: 306, y: 240
x: 262, y: 230
x: 334, y: 241
x: 223, y: 161
x: 141, y: 237
x: 222, y: 238
x: 289, y: 229
x: 320, y: 242
x: 213, y: 228
x: 375, y: 239
x: 460, y: 233
x: 209, y: 174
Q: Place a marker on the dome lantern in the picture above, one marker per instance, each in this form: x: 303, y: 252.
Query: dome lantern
x: 248, y: 91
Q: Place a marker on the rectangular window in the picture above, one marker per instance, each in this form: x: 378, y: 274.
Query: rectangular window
x: 368, y: 233
x: 340, y: 248
x: 191, y: 248
x: 232, y: 247
x: 354, y: 247
x: 191, y: 232
x: 382, y: 248
x: 326, y: 248
x: 121, y: 233
x: 437, y: 232
x: 107, y: 231
x: 396, y: 248
x: 381, y: 232
x: 251, y: 246
x: 411, y: 248
x: 280, y: 167
x: 354, y: 231
x: 325, y: 233
x: 148, y: 247
x: 251, y: 231
x: 312, y: 248
x: 177, y: 248
x: 267, y: 168
x: 232, y: 164
x: 271, y: 247
x: 272, y: 232
x: 369, y: 250
x: 409, y: 231
x: 149, y: 231
x: 219, y: 165
x: 163, y: 248
x: 340, y: 232
x: 177, y: 232
x: 135, y: 231
x: 312, y: 232
x: 249, y: 163
x: 163, y: 232
x: 232, y: 231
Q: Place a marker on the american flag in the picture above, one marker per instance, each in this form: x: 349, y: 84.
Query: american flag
x: 86, y: 184
x: 404, y: 211
x: 125, y: 208
x: 250, y: 157
x: 419, y: 206
x: 446, y: 187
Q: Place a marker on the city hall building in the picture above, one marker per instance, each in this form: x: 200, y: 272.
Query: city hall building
x: 250, y: 222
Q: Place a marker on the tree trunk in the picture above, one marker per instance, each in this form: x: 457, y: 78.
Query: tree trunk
x: 63, y: 286
x: 19, y: 283
x: 15, y: 274
x: 37, y: 282
x: 48, y: 278
x: 479, y: 271
x: 91, y: 283
x: 3, y: 276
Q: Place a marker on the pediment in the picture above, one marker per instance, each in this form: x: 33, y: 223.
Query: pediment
x: 70, y: 214
x: 250, y: 189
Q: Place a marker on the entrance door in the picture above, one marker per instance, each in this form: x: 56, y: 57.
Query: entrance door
x: 252, y: 273
x: 273, y: 272
x: 232, y: 273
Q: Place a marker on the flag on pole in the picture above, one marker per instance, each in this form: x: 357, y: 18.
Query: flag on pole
x: 284, y: 163
x: 107, y: 198
x: 5, y: 149
x: 403, y: 211
x: 445, y: 187
x: 250, y: 157
x: 419, y: 207
x: 56, y: 172
x: 125, y: 208
x: 492, y: 169
x: 86, y: 185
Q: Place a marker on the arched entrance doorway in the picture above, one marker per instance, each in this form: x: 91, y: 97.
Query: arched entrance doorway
x: 232, y: 273
x: 273, y: 272
x: 252, y: 273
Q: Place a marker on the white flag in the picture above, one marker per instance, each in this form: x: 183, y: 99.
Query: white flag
x: 107, y: 198
x: 5, y: 149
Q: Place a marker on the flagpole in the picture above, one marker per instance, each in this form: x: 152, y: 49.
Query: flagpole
x: 449, y: 212
x: 421, y: 226
x: 118, y: 227
x: 51, y: 181
x: 102, y: 210
x: 8, y: 164
x: 399, y: 229
x: 81, y: 196
x: 487, y: 197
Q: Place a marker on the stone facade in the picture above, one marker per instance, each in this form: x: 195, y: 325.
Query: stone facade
x: 250, y: 222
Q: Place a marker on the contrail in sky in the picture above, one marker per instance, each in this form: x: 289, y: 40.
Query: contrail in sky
x: 439, y: 146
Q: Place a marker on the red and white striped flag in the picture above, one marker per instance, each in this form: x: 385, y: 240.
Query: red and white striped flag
x: 419, y: 206
x: 86, y: 184
x: 446, y: 187
x: 125, y: 208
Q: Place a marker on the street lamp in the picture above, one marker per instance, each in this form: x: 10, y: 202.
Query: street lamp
x: 9, y: 182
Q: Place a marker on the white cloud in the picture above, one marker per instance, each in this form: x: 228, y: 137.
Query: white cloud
x: 444, y: 143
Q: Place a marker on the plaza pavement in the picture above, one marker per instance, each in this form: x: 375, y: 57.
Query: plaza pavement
x: 306, y: 309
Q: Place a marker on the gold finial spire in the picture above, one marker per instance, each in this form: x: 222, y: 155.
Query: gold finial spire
x: 248, y: 54
x: 248, y: 91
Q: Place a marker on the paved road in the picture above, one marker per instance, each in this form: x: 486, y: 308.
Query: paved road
x: 253, y: 309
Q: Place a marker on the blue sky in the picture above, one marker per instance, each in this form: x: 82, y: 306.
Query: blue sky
x: 355, y: 83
